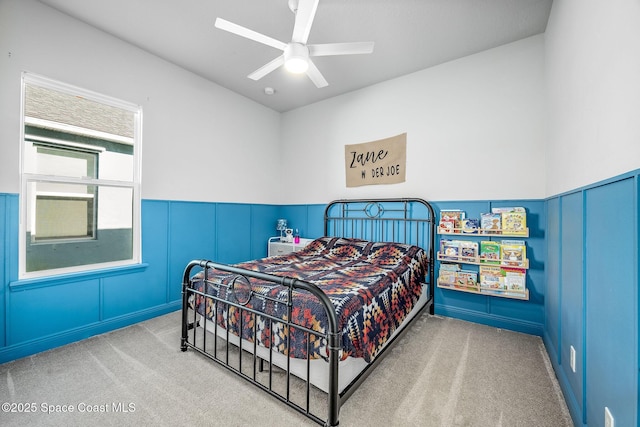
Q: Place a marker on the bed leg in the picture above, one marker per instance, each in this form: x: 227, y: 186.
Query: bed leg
x: 192, y: 325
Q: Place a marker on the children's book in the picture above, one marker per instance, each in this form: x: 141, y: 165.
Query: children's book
x: 489, y: 252
x: 491, y: 278
x: 449, y: 249
x: 468, y: 251
x: 467, y: 280
x: 469, y: 225
x: 455, y: 215
x: 447, y: 277
x: 508, y: 209
x: 514, y: 280
x: 445, y: 226
x: 452, y: 214
x: 450, y: 267
x: 443, y: 245
x: 448, y: 273
x: 514, y: 223
x: 490, y: 223
x: 513, y: 253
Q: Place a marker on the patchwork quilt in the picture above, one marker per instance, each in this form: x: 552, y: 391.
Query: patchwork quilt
x: 372, y: 285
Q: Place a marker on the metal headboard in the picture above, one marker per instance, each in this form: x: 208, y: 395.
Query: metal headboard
x: 403, y: 220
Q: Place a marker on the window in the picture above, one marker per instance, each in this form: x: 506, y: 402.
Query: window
x: 80, y: 198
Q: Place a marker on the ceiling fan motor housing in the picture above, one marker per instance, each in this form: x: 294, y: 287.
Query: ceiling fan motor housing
x: 296, y: 57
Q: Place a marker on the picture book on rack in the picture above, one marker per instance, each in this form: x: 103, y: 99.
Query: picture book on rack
x: 449, y: 249
x: 469, y: 225
x: 490, y: 223
x: 514, y: 280
x: 467, y: 279
x: 468, y: 251
x: 450, y: 217
x: 491, y: 278
x: 513, y: 253
x: 514, y: 223
x: 445, y: 226
x: 448, y: 274
x: 489, y: 252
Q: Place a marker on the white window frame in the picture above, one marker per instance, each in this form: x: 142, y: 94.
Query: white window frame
x: 134, y: 185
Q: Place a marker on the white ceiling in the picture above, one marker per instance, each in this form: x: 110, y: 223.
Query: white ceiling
x: 409, y: 35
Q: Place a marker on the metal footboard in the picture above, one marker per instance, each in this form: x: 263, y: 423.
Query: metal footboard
x: 241, y: 287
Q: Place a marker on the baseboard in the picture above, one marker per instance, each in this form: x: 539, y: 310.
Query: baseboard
x: 501, y: 322
x: 57, y: 340
x: 567, y: 391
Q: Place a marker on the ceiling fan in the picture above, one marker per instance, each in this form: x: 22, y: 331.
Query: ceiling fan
x: 296, y: 54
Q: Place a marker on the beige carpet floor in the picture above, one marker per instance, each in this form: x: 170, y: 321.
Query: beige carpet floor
x: 443, y: 372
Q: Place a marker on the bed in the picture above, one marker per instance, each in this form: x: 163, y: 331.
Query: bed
x: 311, y: 325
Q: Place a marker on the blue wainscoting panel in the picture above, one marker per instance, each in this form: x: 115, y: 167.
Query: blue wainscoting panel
x: 132, y: 293
x: 526, y: 316
x: 263, y: 226
x: 315, y: 221
x: 309, y: 219
x: 611, y: 303
x: 462, y: 305
x: 39, y: 312
x: 297, y: 217
x: 234, y: 233
x: 192, y: 235
x: 9, y: 222
x: 553, y: 284
x: 4, y: 227
x: 571, y: 306
x: 125, y: 294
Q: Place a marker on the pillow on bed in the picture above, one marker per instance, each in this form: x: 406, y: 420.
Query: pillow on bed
x: 342, y: 248
x: 390, y: 253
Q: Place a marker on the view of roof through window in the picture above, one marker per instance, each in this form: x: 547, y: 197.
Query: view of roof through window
x: 46, y: 105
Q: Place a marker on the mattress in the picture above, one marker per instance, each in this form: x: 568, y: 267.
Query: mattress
x: 372, y: 285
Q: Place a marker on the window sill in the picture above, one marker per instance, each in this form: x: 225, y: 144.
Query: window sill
x: 39, y: 282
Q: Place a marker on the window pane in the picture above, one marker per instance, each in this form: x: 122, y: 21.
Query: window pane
x: 48, y: 106
x: 63, y: 217
x: 57, y: 120
x: 67, y: 226
x: 60, y: 161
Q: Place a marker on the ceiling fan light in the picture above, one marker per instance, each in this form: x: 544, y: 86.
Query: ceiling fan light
x: 296, y: 65
x: 296, y: 58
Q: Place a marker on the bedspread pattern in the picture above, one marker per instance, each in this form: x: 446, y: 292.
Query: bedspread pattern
x: 372, y: 285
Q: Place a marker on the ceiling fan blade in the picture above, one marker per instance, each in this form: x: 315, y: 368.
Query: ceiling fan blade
x: 316, y: 77
x: 249, y: 34
x: 267, y: 68
x: 304, y: 19
x: 329, y: 49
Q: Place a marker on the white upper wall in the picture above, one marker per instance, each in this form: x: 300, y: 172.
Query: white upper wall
x: 476, y: 130
x: 476, y: 127
x: 593, y: 77
x: 201, y: 142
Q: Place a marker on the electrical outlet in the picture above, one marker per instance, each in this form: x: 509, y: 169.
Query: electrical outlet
x: 572, y: 359
x: 608, y: 418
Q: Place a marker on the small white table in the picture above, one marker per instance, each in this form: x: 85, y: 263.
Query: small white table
x: 276, y: 247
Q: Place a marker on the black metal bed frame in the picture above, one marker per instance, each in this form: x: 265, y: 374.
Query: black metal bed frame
x: 405, y: 220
